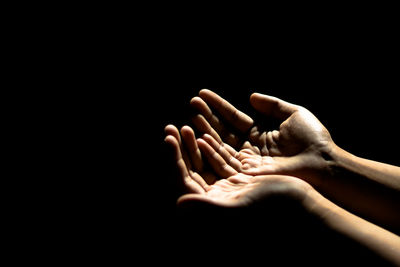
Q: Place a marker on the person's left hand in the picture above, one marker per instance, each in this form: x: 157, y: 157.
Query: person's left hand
x: 299, y: 147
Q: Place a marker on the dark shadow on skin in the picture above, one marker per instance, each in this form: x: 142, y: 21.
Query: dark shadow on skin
x: 277, y: 232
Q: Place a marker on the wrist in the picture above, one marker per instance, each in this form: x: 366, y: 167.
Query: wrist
x: 319, y: 164
x: 331, y: 157
x: 316, y: 205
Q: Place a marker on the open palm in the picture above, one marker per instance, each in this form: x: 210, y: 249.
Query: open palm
x: 225, y: 185
x: 296, y: 148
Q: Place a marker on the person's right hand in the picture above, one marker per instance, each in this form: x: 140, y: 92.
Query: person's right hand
x: 224, y: 185
x: 299, y: 147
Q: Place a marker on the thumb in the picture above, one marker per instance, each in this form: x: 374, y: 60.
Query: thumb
x: 272, y: 106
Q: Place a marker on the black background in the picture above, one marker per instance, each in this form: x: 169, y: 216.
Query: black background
x: 352, y: 93
x: 119, y: 79
x: 349, y: 85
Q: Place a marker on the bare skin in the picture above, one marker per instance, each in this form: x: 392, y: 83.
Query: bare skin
x: 294, y: 148
x: 301, y: 147
x: 232, y: 188
x: 248, y: 165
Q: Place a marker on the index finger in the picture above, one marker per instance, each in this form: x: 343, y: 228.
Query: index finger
x: 234, y: 116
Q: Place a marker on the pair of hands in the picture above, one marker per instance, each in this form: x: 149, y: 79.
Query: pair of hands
x: 248, y: 164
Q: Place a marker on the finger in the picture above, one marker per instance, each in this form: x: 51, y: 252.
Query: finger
x: 190, y: 184
x: 173, y: 131
x: 259, y: 139
x: 216, y: 161
x: 203, y: 126
x: 248, y: 146
x: 213, y: 120
x: 246, y: 153
x: 189, y: 140
x: 203, y: 181
x: 272, y: 106
x: 271, y: 139
x: 205, y: 110
x: 225, y: 154
x: 235, y: 117
x: 231, y: 150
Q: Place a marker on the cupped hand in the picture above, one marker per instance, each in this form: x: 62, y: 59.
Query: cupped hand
x: 225, y: 185
x: 299, y: 147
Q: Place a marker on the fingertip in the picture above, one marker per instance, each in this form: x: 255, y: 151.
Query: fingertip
x: 201, y: 143
x: 170, y: 128
x: 255, y: 96
x: 186, y: 129
x: 200, y: 140
x: 206, y: 135
x: 195, y: 101
x: 201, y: 106
x: 204, y: 91
x: 169, y: 139
x: 210, y: 139
x: 207, y: 94
x: 197, y: 117
x: 187, y: 133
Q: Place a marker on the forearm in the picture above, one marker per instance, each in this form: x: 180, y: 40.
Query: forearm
x: 369, y: 189
x: 380, y: 173
x: 370, y: 236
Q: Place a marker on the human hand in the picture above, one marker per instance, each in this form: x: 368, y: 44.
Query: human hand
x: 297, y: 148
x: 188, y: 159
x: 228, y: 186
